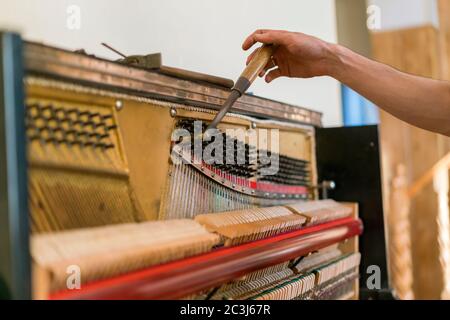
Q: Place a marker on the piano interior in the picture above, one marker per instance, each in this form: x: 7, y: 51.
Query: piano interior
x: 120, y: 205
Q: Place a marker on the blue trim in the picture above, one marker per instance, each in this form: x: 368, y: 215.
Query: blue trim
x: 357, y: 110
x: 15, y: 270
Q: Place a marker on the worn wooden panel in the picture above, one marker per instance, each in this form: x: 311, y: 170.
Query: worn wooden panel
x: 444, y: 38
x: 444, y: 54
x: 416, y: 51
x: 146, y: 132
x: 351, y: 246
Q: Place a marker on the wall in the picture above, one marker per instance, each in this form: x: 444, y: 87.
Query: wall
x: 201, y: 35
x: 352, y: 33
x: 399, y: 14
x: 351, y: 26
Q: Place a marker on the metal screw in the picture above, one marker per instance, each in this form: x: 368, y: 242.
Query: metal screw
x: 173, y: 112
x: 119, y: 105
x: 253, y: 125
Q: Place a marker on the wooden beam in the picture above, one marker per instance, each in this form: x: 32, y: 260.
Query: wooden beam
x: 427, y: 178
x: 444, y: 38
x: 414, y: 50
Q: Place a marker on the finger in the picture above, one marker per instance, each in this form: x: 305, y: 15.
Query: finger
x: 274, y: 37
x: 273, y: 63
x: 273, y: 74
x: 252, y: 55
x: 270, y: 37
x: 270, y: 65
x: 250, y: 40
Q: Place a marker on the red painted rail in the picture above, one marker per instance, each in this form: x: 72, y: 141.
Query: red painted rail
x: 180, y: 278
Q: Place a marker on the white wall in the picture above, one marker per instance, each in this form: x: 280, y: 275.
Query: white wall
x: 201, y: 35
x: 397, y: 14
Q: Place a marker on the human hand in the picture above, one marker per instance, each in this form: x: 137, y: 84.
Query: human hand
x: 296, y: 55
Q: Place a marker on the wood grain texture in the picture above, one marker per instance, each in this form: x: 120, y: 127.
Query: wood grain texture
x: 146, y: 132
x: 352, y: 246
x: 258, y: 62
x: 416, y: 51
x: 444, y: 38
x: 85, y: 70
x: 196, y: 76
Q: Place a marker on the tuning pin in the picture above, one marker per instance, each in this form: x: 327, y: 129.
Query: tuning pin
x: 111, y: 127
x: 106, y: 116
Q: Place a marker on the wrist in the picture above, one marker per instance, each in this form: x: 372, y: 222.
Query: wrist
x: 334, y: 60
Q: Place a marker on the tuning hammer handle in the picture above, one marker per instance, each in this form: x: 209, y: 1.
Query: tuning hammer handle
x: 256, y: 65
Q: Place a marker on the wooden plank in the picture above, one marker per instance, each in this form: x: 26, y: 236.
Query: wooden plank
x: 444, y: 38
x: 352, y: 246
x: 81, y: 70
x: 415, y: 51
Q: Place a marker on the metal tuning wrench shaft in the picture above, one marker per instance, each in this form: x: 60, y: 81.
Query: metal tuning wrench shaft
x: 256, y: 65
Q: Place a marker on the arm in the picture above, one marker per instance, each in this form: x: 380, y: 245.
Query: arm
x: 419, y: 101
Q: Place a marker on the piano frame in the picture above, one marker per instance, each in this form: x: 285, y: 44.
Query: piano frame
x: 20, y: 60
